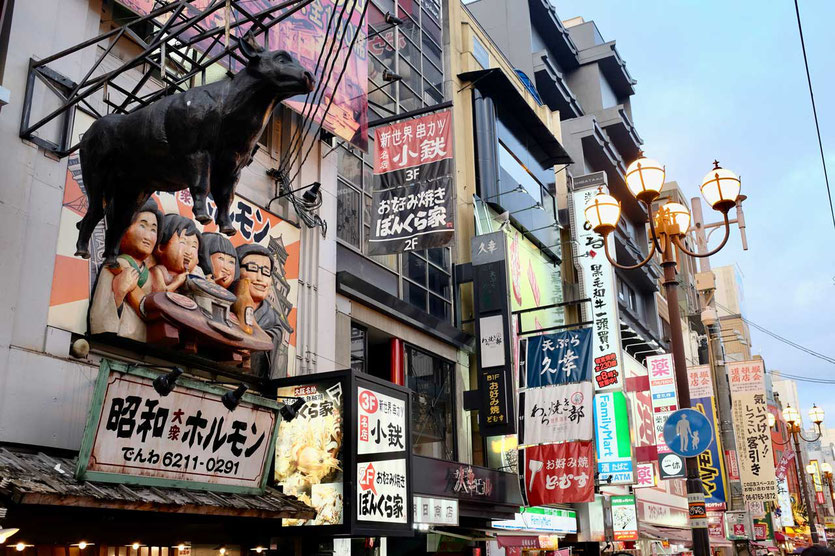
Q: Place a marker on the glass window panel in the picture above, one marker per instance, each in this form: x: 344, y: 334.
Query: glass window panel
x: 410, y: 75
x: 432, y: 96
x: 408, y: 99
x: 407, y: 8
x: 439, y: 282
x: 411, y: 52
x: 434, y: 30
x: 515, y: 174
x: 350, y: 167
x: 432, y: 382
x: 410, y: 28
x: 432, y: 8
x: 414, y: 268
x: 385, y: 5
x: 357, y: 348
x: 432, y: 74
x: 414, y: 295
x: 439, y: 308
x: 384, y: 100
x: 348, y: 214
x: 439, y: 256
x: 432, y: 51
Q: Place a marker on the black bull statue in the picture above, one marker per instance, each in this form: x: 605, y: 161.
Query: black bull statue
x: 200, y: 139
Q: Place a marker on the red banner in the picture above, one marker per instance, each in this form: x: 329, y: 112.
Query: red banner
x: 783, y: 466
x: 413, y: 142
x: 559, y: 473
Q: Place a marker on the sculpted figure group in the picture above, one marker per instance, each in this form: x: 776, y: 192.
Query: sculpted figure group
x: 167, y: 253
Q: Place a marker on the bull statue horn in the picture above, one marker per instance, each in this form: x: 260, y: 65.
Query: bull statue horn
x: 248, y: 46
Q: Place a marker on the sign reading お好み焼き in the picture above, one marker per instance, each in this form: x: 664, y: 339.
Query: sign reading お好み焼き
x: 598, y: 284
x: 134, y: 434
x: 383, y: 491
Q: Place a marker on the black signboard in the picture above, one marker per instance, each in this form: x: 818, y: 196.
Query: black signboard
x: 376, y: 460
x: 412, y: 203
x: 466, y: 482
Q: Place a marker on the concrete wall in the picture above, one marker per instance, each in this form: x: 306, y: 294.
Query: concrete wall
x: 509, y: 26
x: 45, y: 394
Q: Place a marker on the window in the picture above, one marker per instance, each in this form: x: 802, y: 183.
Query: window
x: 432, y: 382
x: 412, y: 50
x: 515, y: 174
x: 627, y: 296
x: 359, y: 348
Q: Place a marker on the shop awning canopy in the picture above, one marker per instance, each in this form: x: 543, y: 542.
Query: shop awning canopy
x: 656, y: 532
x: 39, y: 479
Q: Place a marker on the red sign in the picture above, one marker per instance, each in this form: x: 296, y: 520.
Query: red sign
x: 783, y: 465
x: 760, y: 531
x: 716, y: 525
x: 413, y: 142
x: 559, y: 473
x: 733, y: 465
x: 819, y: 497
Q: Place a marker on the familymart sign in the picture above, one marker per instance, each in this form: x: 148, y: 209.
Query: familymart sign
x: 539, y: 519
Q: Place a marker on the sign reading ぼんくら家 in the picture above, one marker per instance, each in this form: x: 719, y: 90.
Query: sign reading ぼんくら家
x: 186, y: 439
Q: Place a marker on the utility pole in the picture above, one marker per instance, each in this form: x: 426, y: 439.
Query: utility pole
x: 706, y: 284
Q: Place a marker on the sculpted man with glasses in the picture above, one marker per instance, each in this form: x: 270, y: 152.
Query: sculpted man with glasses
x: 256, y: 265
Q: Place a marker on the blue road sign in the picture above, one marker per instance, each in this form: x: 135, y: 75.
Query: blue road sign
x: 687, y: 432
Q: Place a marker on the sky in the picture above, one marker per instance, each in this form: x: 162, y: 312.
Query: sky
x: 726, y: 80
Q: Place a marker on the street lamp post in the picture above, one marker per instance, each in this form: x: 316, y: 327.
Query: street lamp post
x: 826, y: 469
x: 793, y: 424
x: 668, y: 227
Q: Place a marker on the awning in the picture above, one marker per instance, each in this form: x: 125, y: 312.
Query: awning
x: 497, y: 85
x: 546, y: 542
x: 30, y: 479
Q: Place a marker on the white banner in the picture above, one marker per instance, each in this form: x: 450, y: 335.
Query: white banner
x: 700, y: 380
x: 753, y: 438
x: 784, y: 500
x: 381, y: 422
x: 598, y: 284
x: 434, y: 511
x: 558, y: 413
x: 382, y: 491
x: 186, y: 436
x: 662, y: 386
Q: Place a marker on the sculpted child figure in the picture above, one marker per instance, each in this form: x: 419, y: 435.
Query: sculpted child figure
x: 176, y: 255
x: 218, y: 259
x: 115, y: 306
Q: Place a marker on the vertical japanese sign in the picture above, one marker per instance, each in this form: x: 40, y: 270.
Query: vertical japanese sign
x: 700, y: 380
x: 412, y: 208
x: 383, y: 446
x: 750, y: 416
x: 598, y: 284
x: 559, y: 358
x: 784, y: 501
x: 645, y: 475
x: 624, y: 518
x: 816, y: 478
x: 559, y: 473
x: 711, y: 465
x: 557, y: 413
x: 491, y: 303
x: 134, y: 434
x: 316, y: 430
x: 614, y: 448
x: 662, y: 386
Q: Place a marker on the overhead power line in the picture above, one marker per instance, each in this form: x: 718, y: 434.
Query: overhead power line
x: 814, y: 112
x: 778, y: 337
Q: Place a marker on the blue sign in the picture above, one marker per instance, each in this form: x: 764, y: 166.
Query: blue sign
x: 687, y: 432
x: 559, y: 358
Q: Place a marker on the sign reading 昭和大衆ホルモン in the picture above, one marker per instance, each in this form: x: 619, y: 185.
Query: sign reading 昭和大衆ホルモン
x: 750, y: 416
x: 186, y: 439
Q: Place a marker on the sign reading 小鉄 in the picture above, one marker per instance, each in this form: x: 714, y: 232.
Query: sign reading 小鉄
x: 186, y: 439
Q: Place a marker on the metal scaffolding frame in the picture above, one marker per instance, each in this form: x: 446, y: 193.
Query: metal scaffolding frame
x: 175, y: 43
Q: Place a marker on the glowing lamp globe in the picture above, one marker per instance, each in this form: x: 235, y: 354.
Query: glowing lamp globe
x: 772, y: 420
x: 720, y: 188
x: 810, y: 469
x: 816, y: 414
x: 603, y: 213
x: 791, y: 415
x: 826, y: 468
x: 645, y: 178
x: 675, y: 217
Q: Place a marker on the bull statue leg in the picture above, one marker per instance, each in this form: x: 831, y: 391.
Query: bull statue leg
x: 93, y: 184
x: 119, y: 213
x: 199, y: 164
x: 223, y: 192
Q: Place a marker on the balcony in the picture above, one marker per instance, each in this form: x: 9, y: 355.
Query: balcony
x: 611, y: 65
x: 552, y: 87
x: 621, y: 131
x: 630, y: 253
x: 545, y: 20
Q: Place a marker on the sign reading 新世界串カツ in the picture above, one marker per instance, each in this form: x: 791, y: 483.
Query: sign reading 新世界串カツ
x: 134, y: 434
x: 412, y: 208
